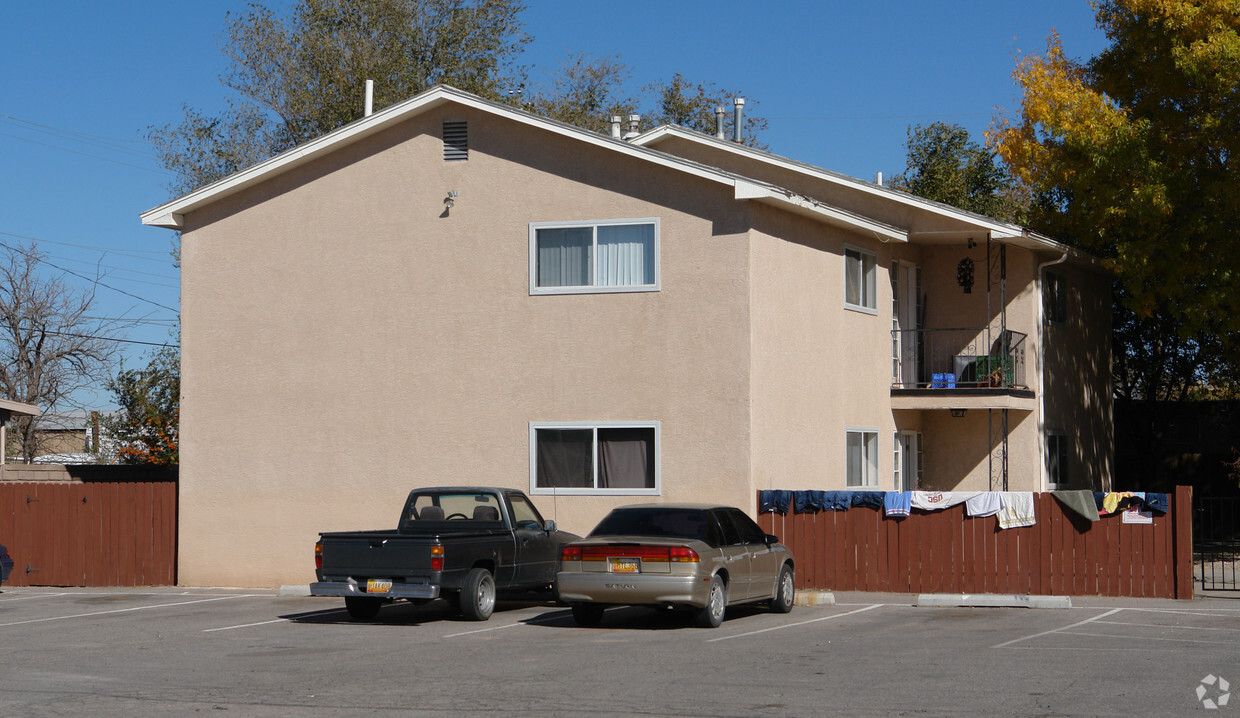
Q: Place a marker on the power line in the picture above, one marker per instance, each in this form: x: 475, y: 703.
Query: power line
x: 96, y: 281
x: 108, y: 339
x: 894, y: 117
x: 102, y: 143
x: 86, y: 154
x: 163, y: 252
x: 69, y: 132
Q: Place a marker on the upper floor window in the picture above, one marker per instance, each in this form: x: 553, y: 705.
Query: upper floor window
x: 601, y: 256
x: 1055, y: 297
x: 861, y: 458
x: 860, y: 280
x: 1057, y: 459
x: 594, y: 458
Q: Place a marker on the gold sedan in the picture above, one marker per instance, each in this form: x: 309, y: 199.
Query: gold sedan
x: 703, y: 557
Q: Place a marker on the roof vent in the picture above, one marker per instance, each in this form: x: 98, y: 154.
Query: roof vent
x: 635, y: 121
x: 738, y: 123
x: 455, y: 140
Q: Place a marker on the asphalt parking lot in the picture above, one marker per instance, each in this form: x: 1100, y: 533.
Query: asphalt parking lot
x: 114, y: 652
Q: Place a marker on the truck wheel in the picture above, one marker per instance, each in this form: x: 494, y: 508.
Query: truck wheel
x: 477, y: 598
x: 362, y: 609
x: 587, y: 614
x: 785, y: 592
x: 711, y: 615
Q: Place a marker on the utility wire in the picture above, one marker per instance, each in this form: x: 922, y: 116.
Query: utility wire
x: 163, y: 252
x: 97, y: 282
x: 86, y: 154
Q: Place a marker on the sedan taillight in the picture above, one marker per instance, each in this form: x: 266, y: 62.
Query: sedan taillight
x: 571, y: 553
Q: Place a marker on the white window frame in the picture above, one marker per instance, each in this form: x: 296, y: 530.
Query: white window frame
x: 594, y: 225
x: 867, y: 481
x: 898, y: 458
x: 1061, y: 438
x: 869, y: 305
x: 536, y: 490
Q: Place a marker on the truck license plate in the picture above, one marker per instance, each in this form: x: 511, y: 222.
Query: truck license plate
x: 378, y: 585
x: 626, y: 565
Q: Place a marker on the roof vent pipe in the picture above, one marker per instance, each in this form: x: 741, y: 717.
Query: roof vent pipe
x: 615, y: 126
x: 370, y: 98
x: 879, y: 179
x: 719, y: 115
x: 634, y: 121
x: 738, y: 121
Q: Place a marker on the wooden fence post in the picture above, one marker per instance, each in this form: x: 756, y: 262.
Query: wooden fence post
x: 1183, y: 508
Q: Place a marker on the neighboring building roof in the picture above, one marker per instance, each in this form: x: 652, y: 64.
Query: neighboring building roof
x: 171, y: 214
x: 72, y: 420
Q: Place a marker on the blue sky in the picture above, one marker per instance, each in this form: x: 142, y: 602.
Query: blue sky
x: 839, y: 84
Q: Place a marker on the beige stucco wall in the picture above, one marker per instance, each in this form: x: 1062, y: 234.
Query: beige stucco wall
x: 389, y: 345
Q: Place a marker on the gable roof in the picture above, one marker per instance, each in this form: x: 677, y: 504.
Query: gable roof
x: 171, y: 214
x: 998, y: 229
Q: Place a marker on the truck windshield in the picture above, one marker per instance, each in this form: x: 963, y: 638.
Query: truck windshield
x: 456, y: 506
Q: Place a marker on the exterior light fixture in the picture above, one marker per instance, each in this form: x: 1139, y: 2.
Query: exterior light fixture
x: 957, y: 413
x: 450, y: 201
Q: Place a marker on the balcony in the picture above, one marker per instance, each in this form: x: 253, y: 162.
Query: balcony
x: 945, y: 363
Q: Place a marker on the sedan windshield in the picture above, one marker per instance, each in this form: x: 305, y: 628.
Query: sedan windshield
x: 693, y: 524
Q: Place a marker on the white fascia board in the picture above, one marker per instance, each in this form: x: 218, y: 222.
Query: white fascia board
x: 18, y: 408
x: 997, y: 229
x: 820, y: 210
x: 171, y: 214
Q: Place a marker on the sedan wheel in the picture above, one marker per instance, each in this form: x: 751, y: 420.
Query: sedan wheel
x: 785, y: 591
x: 711, y: 615
x: 477, y: 599
x: 587, y: 614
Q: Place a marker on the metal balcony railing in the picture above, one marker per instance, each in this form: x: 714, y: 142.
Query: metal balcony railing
x: 974, y: 358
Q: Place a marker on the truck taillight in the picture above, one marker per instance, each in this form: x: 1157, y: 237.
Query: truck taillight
x: 436, y: 558
x: 318, y: 554
x: 571, y: 553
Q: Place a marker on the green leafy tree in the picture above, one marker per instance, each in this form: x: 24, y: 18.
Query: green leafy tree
x: 946, y: 166
x: 692, y: 105
x: 300, y: 75
x: 1133, y: 155
x: 586, y: 92
x: 146, y: 427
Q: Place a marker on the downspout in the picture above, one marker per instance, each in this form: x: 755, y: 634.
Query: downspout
x: 1041, y: 329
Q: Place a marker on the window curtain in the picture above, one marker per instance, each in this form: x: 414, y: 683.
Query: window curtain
x: 626, y: 458
x: 852, y: 277
x: 564, y: 256
x: 625, y: 255
x: 564, y: 458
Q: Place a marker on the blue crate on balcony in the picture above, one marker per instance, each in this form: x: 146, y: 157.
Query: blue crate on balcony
x: 943, y: 381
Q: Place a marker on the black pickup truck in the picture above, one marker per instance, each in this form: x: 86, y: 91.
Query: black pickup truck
x: 461, y: 543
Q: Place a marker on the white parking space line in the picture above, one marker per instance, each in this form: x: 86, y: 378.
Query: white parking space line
x: 1151, y: 638
x: 799, y: 623
x: 27, y: 598
x: 128, y: 610
x: 1164, y: 625
x: 497, y: 628
x: 276, y: 620
x: 1100, y: 616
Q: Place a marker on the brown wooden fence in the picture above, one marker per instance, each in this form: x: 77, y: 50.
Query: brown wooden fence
x: 95, y: 529
x: 948, y: 552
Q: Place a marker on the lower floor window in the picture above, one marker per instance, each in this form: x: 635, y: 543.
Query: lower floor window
x: 594, y: 458
x: 861, y: 450
x: 1057, y: 459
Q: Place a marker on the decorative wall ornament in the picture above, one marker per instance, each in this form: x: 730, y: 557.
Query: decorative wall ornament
x: 964, y: 275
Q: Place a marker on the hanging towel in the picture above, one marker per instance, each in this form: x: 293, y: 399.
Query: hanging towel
x: 774, y: 501
x: 1156, y: 502
x: 1080, y: 503
x: 1016, y: 509
x: 896, y: 504
x: 984, y: 504
x: 873, y: 499
x: 936, y: 500
x: 1112, y: 502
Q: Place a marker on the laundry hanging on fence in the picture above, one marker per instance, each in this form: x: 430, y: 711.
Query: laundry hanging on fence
x: 1080, y: 503
x: 938, y: 500
x: 984, y: 504
x: 897, y: 503
x: 1016, y: 509
x: 772, y: 501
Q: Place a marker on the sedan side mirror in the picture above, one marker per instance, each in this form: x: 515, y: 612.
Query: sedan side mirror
x: 771, y: 539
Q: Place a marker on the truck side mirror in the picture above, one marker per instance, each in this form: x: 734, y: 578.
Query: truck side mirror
x: 549, y: 527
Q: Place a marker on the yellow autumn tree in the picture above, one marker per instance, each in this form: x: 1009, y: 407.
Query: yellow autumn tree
x: 1132, y: 154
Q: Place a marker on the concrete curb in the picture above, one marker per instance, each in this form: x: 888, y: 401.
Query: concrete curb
x: 300, y: 590
x: 949, y: 600
x: 814, y: 598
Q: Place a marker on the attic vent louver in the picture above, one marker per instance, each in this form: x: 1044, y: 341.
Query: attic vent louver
x: 455, y: 140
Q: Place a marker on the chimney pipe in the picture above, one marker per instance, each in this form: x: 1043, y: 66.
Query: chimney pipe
x: 879, y: 180
x: 634, y: 121
x: 738, y: 122
x: 719, y: 115
x: 370, y: 98
x: 615, y: 126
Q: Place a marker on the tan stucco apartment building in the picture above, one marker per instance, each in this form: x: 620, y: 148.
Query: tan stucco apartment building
x: 453, y: 291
